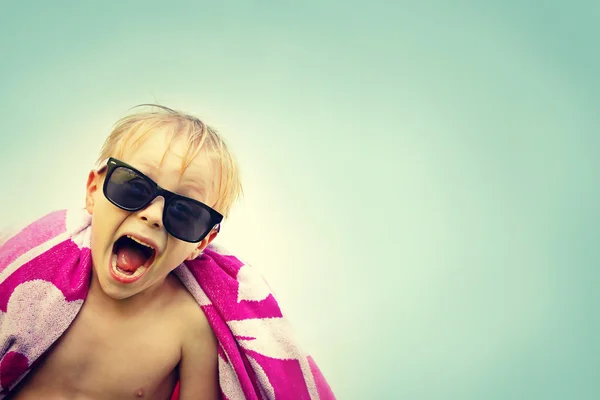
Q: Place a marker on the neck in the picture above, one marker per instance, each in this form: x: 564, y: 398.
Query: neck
x: 138, y: 303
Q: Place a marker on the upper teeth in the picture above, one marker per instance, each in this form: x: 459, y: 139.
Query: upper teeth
x: 142, y: 243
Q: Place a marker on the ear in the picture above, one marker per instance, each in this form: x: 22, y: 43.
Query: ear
x: 202, y: 245
x: 91, y: 190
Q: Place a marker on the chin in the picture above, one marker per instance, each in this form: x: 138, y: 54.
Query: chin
x: 115, y: 293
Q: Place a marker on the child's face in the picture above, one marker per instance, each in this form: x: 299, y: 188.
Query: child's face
x: 110, y: 223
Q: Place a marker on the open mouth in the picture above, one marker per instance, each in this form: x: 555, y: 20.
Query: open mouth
x: 131, y: 258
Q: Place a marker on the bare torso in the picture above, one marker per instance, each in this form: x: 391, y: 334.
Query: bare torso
x: 116, y: 354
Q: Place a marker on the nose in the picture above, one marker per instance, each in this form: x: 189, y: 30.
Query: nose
x: 153, y: 213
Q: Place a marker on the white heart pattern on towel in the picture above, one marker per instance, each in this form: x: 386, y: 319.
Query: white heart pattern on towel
x: 251, y: 285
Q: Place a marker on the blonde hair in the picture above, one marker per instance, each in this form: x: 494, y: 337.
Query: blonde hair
x: 178, y: 125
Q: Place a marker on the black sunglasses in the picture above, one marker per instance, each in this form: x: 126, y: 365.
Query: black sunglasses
x: 184, y: 218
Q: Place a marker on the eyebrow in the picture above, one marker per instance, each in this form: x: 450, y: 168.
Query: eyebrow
x: 192, y: 187
x: 188, y: 185
x: 149, y: 164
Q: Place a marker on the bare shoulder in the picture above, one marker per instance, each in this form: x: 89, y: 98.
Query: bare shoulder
x: 188, y: 311
x: 198, y: 368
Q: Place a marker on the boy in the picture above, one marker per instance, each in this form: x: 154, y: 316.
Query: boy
x: 139, y: 330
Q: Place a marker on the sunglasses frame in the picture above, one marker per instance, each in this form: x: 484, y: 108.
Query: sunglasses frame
x: 112, y: 164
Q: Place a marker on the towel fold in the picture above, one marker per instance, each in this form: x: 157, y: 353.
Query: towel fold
x: 45, y: 271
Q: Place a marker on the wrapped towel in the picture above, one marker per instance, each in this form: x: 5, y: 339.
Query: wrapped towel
x: 45, y: 271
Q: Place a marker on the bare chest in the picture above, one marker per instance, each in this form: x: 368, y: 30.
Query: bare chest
x: 103, y: 356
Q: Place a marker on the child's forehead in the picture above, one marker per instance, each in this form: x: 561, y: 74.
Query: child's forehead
x: 171, y: 159
x: 161, y: 151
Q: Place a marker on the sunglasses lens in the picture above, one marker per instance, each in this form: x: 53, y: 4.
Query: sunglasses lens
x: 128, y: 189
x: 187, y: 220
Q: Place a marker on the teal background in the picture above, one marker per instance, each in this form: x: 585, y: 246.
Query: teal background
x: 421, y: 180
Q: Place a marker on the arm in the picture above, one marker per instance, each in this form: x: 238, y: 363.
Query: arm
x: 198, y: 369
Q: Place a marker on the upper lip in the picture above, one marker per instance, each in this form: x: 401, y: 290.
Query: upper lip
x: 142, y: 239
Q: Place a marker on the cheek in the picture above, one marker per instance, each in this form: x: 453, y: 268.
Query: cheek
x: 105, y: 219
x: 178, y: 252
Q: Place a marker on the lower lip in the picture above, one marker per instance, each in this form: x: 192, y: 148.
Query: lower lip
x: 121, y: 278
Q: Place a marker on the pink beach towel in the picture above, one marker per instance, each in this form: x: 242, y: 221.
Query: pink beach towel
x: 45, y: 270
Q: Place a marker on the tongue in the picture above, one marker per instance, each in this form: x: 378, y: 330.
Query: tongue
x: 130, y: 258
